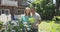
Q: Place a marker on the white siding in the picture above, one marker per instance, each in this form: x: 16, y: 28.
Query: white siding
x: 9, y: 3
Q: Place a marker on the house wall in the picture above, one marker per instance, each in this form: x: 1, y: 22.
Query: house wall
x: 21, y: 2
x: 13, y: 9
x: 7, y: 7
x: 9, y: 3
x: 21, y: 6
x: 4, y: 17
x: 0, y: 1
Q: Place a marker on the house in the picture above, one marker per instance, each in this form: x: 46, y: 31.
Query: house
x: 12, y: 7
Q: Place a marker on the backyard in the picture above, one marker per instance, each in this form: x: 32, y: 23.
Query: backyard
x: 50, y: 18
x: 49, y: 27
x: 45, y: 25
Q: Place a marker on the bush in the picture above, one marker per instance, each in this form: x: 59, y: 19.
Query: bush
x: 56, y: 19
x: 1, y: 22
x: 45, y: 8
x: 15, y: 25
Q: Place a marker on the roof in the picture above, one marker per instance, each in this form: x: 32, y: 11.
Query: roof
x: 9, y: 3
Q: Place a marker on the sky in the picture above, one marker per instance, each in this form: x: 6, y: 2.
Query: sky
x: 54, y: 1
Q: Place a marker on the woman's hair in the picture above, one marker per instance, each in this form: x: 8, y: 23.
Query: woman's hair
x: 27, y: 8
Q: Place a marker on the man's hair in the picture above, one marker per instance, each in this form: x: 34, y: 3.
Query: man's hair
x: 33, y: 8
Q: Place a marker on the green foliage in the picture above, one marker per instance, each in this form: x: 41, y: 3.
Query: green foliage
x: 1, y: 22
x: 56, y: 19
x: 49, y: 27
x: 44, y: 7
x: 14, y: 25
x: 31, y: 20
x: 20, y: 23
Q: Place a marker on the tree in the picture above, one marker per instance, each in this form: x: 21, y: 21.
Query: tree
x: 45, y: 8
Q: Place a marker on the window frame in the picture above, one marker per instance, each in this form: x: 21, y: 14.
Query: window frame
x: 5, y: 11
x: 19, y: 11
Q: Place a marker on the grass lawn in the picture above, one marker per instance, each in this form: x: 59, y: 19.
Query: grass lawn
x: 49, y: 26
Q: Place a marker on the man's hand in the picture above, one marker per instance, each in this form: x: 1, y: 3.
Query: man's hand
x: 37, y: 24
x: 39, y: 21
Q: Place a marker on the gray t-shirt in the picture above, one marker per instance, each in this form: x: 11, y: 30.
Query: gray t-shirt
x: 37, y: 18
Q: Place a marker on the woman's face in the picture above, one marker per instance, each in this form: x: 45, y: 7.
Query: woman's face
x: 28, y: 11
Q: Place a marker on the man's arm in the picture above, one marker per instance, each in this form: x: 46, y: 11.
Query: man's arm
x: 39, y: 20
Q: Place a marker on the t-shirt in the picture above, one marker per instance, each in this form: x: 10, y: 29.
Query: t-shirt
x: 25, y: 19
x: 37, y: 18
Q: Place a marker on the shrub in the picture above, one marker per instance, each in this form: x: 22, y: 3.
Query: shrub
x: 1, y: 22
x: 56, y: 18
x: 45, y: 8
x: 15, y: 25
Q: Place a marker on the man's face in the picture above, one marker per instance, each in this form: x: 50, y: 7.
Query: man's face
x: 33, y: 10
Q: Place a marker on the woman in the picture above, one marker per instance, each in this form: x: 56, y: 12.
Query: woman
x: 25, y: 19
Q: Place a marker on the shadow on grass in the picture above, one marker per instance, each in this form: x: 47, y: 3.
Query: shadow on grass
x: 48, y: 21
x: 58, y: 22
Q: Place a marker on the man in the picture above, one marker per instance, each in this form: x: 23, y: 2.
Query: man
x: 37, y: 20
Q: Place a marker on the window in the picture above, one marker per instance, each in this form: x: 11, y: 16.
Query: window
x: 0, y: 1
x: 22, y: 2
x: 4, y: 11
x: 19, y: 11
x: 0, y: 11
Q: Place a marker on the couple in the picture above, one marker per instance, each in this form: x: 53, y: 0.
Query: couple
x: 30, y: 13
